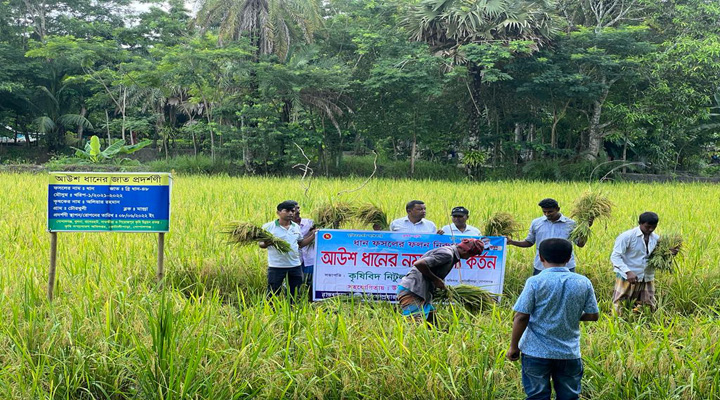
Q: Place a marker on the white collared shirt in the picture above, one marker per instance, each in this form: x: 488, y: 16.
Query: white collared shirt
x: 453, y: 230
x: 542, y: 228
x: 292, y: 235
x: 307, y: 253
x: 404, y: 225
x: 630, y: 254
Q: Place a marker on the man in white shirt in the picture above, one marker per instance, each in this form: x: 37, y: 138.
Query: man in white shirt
x: 281, y: 265
x: 459, y: 226
x: 415, y: 221
x: 634, y: 281
x: 307, y: 253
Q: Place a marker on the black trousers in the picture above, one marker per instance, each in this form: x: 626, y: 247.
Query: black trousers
x: 276, y: 276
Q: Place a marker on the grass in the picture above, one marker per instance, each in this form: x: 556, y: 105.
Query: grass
x: 112, y: 332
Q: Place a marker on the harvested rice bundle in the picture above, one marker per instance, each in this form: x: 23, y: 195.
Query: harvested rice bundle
x: 245, y: 233
x: 332, y: 215
x: 473, y: 298
x: 590, y: 207
x: 501, y: 224
x: 372, y: 215
x: 663, y: 256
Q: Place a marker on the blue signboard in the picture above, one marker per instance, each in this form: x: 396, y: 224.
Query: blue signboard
x: 372, y: 263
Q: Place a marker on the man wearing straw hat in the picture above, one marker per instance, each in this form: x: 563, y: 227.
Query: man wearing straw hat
x: 415, y: 291
x: 459, y: 226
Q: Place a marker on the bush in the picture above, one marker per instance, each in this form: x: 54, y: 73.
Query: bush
x: 363, y: 167
x: 200, y: 164
x: 544, y: 170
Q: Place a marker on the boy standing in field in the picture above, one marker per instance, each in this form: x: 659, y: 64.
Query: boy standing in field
x: 546, y: 326
x: 281, y: 265
x: 634, y: 281
x: 415, y: 290
x: 551, y: 225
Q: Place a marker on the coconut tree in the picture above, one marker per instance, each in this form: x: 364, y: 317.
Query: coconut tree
x: 270, y: 25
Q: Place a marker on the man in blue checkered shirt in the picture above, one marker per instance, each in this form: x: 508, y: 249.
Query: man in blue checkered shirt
x: 546, y: 327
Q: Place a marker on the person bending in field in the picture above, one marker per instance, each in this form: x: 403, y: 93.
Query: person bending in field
x: 282, y: 265
x: 546, y: 326
x: 415, y: 291
x: 551, y: 225
x: 415, y: 221
x: 307, y: 253
x: 634, y: 282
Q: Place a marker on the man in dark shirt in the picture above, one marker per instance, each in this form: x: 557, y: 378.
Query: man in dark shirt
x: 415, y: 291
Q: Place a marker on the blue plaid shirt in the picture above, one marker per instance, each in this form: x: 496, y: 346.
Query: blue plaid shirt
x: 555, y: 299
x: 542, y: 228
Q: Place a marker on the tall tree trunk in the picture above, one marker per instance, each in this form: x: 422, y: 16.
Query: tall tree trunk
x: 212, y: 132
x: 474, y: 113
x: 531, y: 138
x: 122, y: 110
x: 557, y: 116
x: 518, y: 138
x: 107, y: 126
x: 81, y: 127
x: 412, y: 154
x: 595, y: 132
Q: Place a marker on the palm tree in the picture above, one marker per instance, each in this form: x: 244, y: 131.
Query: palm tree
x: 446, y: 25
x: 270, y: 25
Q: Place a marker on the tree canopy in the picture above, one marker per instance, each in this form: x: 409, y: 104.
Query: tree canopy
x: 488, y: 85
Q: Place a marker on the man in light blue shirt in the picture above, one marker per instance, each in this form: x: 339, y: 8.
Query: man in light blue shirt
x: 546, y: 327
x: 459, y: 226
x: 415, y: 221
x: 551, y: 225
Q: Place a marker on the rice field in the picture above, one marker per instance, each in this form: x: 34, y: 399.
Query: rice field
x: 207, y: 333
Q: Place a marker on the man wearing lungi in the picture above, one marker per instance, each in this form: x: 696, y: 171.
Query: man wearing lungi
x: 634, y: 282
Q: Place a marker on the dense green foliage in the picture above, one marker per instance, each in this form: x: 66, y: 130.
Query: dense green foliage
x: 475, y: 84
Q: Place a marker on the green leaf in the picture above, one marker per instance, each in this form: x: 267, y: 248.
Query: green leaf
x: 136, y: 147
x: 113, y: 149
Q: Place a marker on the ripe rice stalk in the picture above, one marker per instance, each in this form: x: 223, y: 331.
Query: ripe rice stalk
x: 331, y: 215
x: 245, y: 233
x: 473, y: 298
x: 372, y: 215
x: 662, y: 257
x: 590, y: 207
x: 501, y: 224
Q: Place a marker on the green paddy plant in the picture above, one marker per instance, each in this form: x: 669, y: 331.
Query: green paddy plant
x: 501, y: 224
x: 332, y: 215
x: 110, y: 334
x: 473, y: 298
x: 663, y: 256
x: 590, y: 207
x: 245, y: 233
x: 372, y: 215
